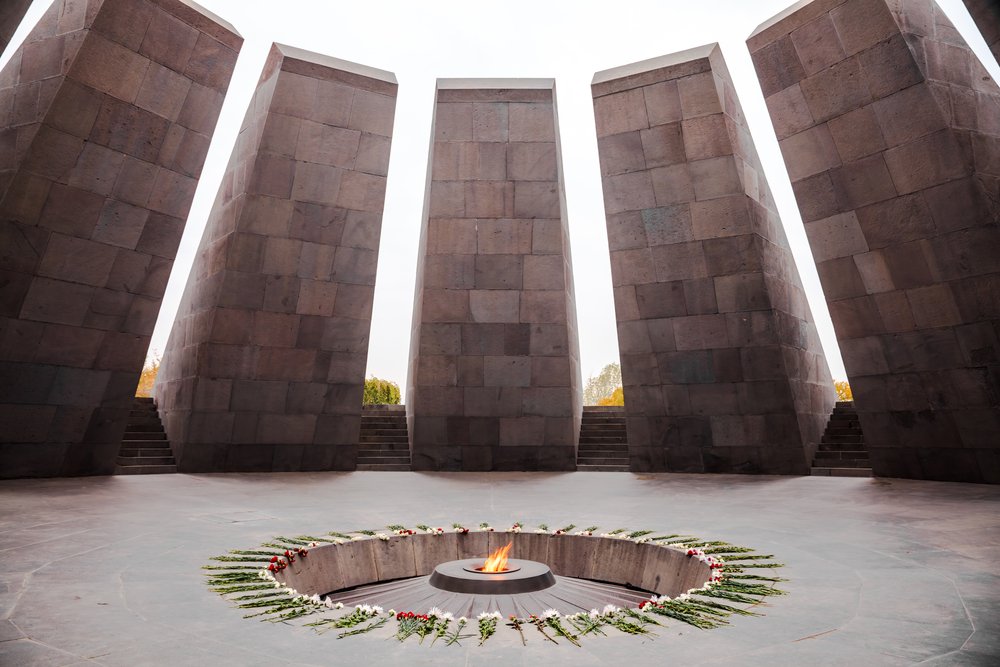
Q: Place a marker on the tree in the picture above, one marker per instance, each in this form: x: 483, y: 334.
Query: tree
x: 381, y: 392
x: 602, y: 386
x: 148, y: 377
x: 843, y: 390
x: 617, y: 398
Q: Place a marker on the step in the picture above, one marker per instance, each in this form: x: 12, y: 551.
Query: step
x: 842, y: 472
x: 143, y: 435
x: 611, y: 461
x: 601, y: 454
x: 597, y: 440
x: 384, y: 467
x: 143, y: 414
x: 383, y: 447
x: 601, y: 468
x: 145, y: 460
x: 142, y: 399
x: 382, y: 440
x: 842, y: 454
x: 845, y: 430
x: 144, y: 470
x: 152, y: 426
x: 146, y: 444
x: 844, y: 416
x: 129, y: 452
x: 387, y: 460
x: 383, y: 431
x: 588, y: 446
x: 842, y: 463
x: 855, y: 447
x: 602, y: 420
x: 842, y: 439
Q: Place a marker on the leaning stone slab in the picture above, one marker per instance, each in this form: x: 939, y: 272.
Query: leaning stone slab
x: 721, y: 362
x: 893, y: 169
x: 265, y: 366
x: 11, y: 13
x: 104, y: 126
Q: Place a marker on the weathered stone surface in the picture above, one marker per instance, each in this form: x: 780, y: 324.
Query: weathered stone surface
x: 430, y: 551
x: 280, y: 296
x: 11, y: 14
x: 704, y: 278
x: 494, y: 300
x: 902, y: 219
x: 357, y: 562
x: 473, y: 545
x: 394, y: 558
x: 986, y: 14
x: 104, y: 129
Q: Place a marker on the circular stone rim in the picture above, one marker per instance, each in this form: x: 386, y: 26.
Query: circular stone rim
x: 529, y: 577
x: 476, y: 570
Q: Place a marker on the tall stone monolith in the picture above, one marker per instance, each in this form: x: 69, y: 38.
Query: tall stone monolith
x: 494, y: 375
x: 722, y: 367
x: 890, y: 129
x: 106, y: 113
x: 265, y: 366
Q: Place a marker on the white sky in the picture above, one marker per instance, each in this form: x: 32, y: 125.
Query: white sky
x: 568, y: 40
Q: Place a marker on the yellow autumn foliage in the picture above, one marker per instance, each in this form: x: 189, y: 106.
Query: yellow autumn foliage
x: 148, y: 376
x: 843, y: 390
x: 616, y: 398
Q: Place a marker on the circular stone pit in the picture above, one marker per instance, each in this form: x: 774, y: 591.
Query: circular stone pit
x: 589, y: 572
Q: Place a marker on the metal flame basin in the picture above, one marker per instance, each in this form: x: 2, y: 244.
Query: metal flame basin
x: 466, y: 576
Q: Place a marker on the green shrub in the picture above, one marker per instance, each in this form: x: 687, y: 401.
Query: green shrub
x: 381, y: 392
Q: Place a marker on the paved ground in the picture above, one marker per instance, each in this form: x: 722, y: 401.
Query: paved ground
x: 105, y: 571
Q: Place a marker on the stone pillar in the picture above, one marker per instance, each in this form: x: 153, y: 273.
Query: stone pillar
x: 494, y: 376
x: 722, y: 367
x: 106, y: 114
x: 11, y: 13
x: 265, y: 366
x: 986, y: 14
x: 890, y: 129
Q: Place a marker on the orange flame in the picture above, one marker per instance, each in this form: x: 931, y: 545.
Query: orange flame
x: 498, y: 561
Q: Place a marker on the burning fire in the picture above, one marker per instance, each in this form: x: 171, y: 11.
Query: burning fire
x: 498, y: 561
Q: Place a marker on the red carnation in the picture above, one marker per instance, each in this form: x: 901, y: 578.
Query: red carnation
x: 274, y: 559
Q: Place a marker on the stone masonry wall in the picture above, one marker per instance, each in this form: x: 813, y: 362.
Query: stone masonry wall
x: 494, y: 376
x: 106, y: 114
x: 265, y: 366
x: 890, y: 129
x: 722, y: 367
x: 986, y: 14
x: 11, y: 13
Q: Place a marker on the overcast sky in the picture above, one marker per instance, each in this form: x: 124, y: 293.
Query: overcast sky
x: 568, y: 40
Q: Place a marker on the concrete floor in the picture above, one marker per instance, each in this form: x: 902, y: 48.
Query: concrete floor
x: 105, y: 571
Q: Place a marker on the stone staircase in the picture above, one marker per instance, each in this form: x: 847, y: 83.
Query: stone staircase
x: 145, y: 449
x: 603, y: 440
x: 842, y: 451
x: 384, y: 444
